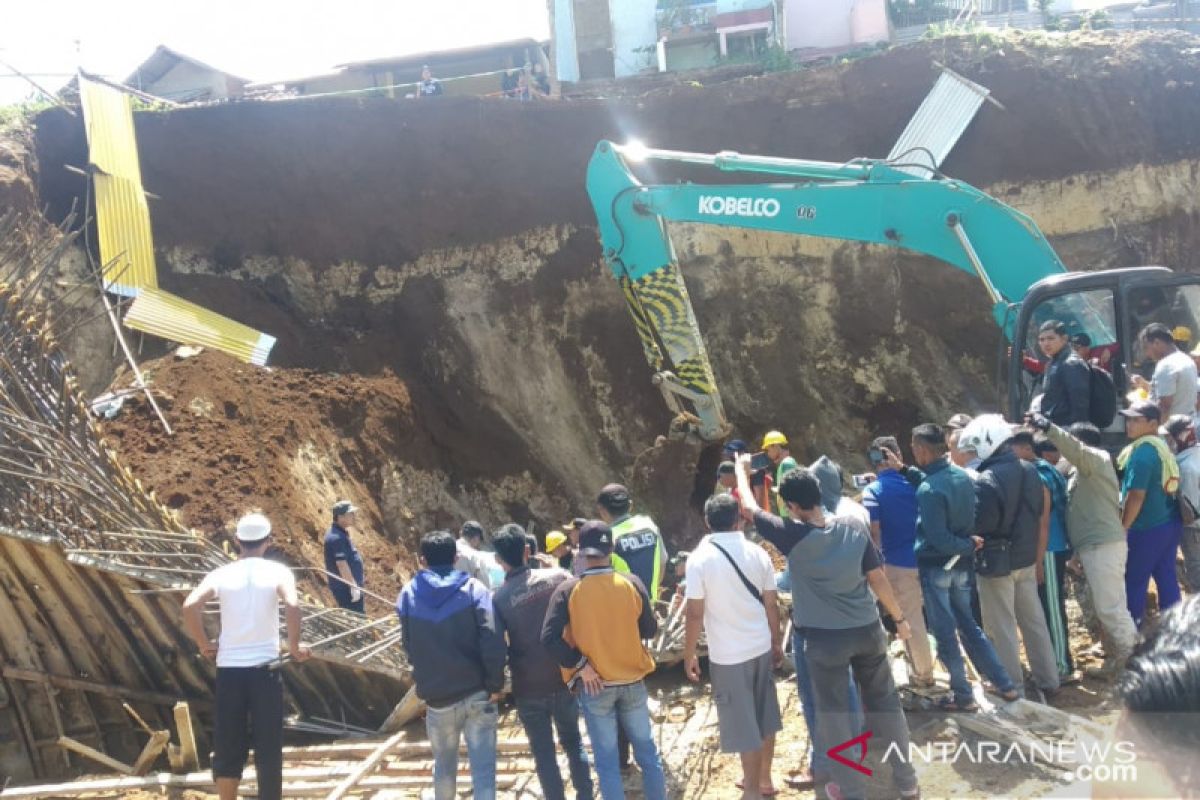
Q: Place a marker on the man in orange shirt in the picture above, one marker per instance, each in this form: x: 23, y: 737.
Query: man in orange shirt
x: 609, y: 614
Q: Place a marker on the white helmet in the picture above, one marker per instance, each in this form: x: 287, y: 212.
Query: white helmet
x: 984, y: 434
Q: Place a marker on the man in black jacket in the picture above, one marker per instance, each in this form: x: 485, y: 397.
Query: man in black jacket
x: 457, y: 657
x: 1008, y: 516
x: 543, y: 700
x: 1067, y: 385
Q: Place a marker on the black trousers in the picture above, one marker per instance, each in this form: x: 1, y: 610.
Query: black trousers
x: 249, y: 713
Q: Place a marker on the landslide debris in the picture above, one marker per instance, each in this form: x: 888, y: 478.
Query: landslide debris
x: 289, y: 442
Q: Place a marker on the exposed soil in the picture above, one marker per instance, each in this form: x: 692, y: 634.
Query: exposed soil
x: 380, y: 181
x: 286, y: 442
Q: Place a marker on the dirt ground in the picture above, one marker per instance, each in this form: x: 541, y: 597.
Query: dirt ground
x: 288, y: 442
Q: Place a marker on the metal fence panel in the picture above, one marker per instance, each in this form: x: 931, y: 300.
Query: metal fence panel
x: 936, y: 127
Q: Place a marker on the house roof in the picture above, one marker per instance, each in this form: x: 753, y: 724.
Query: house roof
x: 436, y: 56
x: 162, y: 61
x: 747, y: 16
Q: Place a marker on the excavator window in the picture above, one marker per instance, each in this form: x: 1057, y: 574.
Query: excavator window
x: 1092, y: 313
x: 1177, y: 307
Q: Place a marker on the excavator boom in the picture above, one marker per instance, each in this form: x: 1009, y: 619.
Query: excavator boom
x: 861, y: 201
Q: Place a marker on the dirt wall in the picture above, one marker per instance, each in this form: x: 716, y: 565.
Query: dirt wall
x: 451, y: 244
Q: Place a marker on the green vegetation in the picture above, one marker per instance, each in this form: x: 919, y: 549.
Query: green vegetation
x: 19, y: 115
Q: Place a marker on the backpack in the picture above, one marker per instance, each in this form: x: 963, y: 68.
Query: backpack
x: 1102, y: 397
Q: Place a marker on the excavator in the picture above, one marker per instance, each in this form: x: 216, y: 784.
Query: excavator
x: 889, y: 203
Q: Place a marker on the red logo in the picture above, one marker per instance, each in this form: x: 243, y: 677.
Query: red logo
x: 861, y: 741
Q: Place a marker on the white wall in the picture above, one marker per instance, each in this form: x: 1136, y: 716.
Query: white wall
x: 565, y: 54
x: 834, y: 23
x: 634, y: 25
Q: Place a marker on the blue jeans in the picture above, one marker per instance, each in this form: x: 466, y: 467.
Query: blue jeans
x: 474, y: 716
x: 540, y: 715
x: 600, y: 712
x: 948, y: 608
x: 818, y: 759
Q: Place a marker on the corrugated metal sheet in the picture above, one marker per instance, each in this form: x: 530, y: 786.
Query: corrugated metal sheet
x: 943, y: 116
x: 163, y: 314
x: 122, y: 218
x: 108, y: 117
x: 126, y: 245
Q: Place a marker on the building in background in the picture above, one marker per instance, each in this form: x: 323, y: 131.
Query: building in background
x: 834, y: 24
x: 173, y: 76
x: 618, y: 38
x: 463, y: 71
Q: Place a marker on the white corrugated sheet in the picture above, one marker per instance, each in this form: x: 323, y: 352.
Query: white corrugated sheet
x: 943, y: 116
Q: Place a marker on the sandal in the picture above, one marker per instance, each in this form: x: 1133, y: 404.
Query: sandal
x: 740, y: 784
x: 952, y: 706
x: 800, y: 781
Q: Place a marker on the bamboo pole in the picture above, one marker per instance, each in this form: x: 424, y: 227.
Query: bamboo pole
x: 365, y: 767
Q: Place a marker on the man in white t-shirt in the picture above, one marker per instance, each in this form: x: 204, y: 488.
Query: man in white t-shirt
x: 249, y: 695
x: 738, y: 609
x: 1173, y: 386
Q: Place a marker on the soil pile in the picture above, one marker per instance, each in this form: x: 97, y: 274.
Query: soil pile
x: 381, y: 181
x: 289, y: 442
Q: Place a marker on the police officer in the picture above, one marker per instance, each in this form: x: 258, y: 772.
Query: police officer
x: 343, y: 563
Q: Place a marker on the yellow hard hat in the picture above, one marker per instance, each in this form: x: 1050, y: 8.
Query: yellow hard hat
x: 555, y: 539
x: 1182, y: 333
x: 774, y: 437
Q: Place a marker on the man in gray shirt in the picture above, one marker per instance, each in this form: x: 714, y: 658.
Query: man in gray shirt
x: 836, y: 575
x: 1173, y: 387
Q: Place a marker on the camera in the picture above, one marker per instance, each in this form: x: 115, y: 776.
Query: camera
x: 863, y: 480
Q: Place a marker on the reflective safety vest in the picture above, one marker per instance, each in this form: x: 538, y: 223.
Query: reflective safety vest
x: 638, y: 549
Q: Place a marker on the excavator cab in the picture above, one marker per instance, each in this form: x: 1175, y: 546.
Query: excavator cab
x: 1109, y: 309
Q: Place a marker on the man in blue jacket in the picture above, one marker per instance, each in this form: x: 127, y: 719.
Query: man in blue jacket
x: 945, y: 550
x: 457, y: 657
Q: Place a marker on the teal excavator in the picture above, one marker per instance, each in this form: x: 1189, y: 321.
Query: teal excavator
x: 873, y: 201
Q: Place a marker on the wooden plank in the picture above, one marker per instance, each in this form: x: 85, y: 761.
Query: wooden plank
x: 137, y: 718
x: 109, y: 690
x: 293, y: 785
x: 409, y: 708
x: 95, y: 755
x: 350, y: 750
x: 366, y: 766
x: 189, y: 759
x: 158, y: 742
x: 196, y: 780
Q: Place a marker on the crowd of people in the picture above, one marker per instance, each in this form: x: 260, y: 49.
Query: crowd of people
x: 970, y: 541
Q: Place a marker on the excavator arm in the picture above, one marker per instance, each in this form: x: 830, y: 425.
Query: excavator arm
x: 861, y: 201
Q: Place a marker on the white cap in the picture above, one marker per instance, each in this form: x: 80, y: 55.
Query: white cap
x: 253, y: 528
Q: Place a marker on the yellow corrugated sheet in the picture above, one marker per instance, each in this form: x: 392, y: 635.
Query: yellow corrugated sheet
x: 122, y: 218
x: 163, y: 314
x: 127, y: 247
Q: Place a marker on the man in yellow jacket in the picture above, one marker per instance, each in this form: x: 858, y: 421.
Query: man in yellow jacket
x: 609, y: 614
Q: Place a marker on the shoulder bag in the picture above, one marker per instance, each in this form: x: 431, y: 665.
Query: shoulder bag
x: 750, y: 587
x: 994, y: 559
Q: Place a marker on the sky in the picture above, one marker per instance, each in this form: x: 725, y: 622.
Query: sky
x: 262, y: 40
